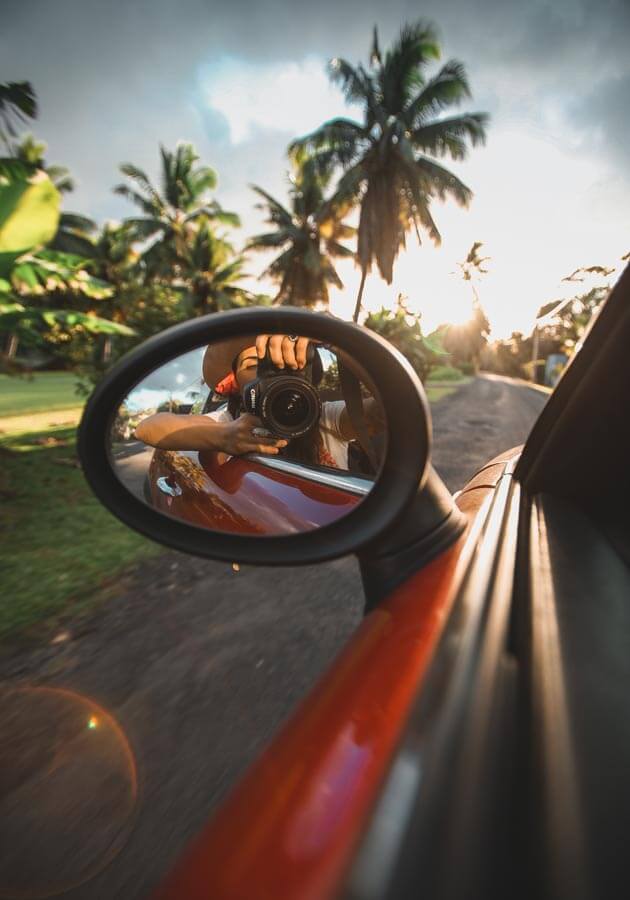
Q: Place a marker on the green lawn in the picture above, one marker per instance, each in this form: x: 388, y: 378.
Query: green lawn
x: 60, y: 549
x: 437, y: 390
x: 43, y: 392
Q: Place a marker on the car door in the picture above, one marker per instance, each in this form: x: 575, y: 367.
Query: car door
x: 250, y: 495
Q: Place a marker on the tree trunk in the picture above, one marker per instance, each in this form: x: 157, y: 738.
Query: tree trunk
x: 106, y: 350
x: 535, y: 355
x: 11, y: 346
x: 357, y: 308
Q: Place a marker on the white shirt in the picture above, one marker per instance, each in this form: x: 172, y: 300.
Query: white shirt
x: 329, y: 428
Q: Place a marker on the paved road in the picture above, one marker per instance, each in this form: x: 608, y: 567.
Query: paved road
x: 132, y: 465
x: 201, y: 664
x: 479, y: 421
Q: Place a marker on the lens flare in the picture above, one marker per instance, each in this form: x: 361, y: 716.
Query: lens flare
x: 68, y: 791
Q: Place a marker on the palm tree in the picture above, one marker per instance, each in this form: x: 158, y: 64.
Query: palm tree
x: 308, y: 234
x: 215, y: 272
x: 388, y: 158
x: 472, y: 267
x: 170, y: 213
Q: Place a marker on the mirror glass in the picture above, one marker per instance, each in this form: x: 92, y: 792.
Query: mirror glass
x: 258, y: 435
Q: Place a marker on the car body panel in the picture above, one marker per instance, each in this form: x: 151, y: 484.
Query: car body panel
x: 291, y: 825
x: 242, y: 495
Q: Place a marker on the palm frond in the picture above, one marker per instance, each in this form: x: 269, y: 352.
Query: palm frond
x: 277, y: 212
x: 350, y: 185
x: 336, y: 249
x: 268, y: 240
x: 17, y: 104
x: 329, y: 273
x: 353, y: 82
x: 375, y: 54
x: 401, y: 71
x: 144, y: 228
x: 204, y: 179
x: 225, y: 217
x: 447, y: 137
x: 445, y: 89
x: 280, y: 265
x: 422, y: 214
x: 439, y: 181
x: 167, y: 173
x: 142, y: 180
x: 342, y: 138
x: 76, y: 221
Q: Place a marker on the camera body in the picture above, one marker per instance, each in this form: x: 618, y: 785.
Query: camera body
x: 287, y: 404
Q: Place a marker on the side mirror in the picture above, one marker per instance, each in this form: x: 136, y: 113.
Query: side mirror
x: 197, y: 443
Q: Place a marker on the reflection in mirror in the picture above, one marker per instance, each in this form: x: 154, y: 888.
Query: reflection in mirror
x: 264, y: 435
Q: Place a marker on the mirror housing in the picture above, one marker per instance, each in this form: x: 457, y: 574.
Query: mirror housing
x: 397, y: 492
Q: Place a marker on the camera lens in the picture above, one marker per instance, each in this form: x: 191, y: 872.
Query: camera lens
x: 290, y: 407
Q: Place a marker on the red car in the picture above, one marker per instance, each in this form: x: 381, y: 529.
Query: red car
x: 253, y: 495
x: 472, y: 739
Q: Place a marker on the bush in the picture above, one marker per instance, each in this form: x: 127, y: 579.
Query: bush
x: 402, y: 329
x: 535, y: 371
x: 445, y: 373
x: 467, y: 368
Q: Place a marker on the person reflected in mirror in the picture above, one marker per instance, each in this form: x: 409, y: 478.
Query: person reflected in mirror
x: 228, y: 367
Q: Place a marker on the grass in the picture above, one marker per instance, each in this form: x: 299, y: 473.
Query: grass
x: 443, y: 381
x: 61, y: 550
x: 446, y: 373
x: 436, y: 392
x: 44, y: 392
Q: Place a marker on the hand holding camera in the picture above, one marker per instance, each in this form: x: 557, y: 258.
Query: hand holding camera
x: 284, y: 350
x: 288, y: 405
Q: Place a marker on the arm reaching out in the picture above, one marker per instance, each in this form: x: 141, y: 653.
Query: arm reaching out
x: 168, y: 431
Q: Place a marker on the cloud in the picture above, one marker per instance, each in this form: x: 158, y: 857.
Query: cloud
x: 292, y: 97
x: 603, y: 121
x: 239, y: 79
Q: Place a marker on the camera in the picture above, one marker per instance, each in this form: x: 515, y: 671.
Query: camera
x: 288, y: 405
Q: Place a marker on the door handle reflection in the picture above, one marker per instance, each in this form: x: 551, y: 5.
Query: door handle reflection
x: 169, y: 489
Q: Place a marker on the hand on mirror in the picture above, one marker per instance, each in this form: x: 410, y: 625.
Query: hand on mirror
x: 284, y: 349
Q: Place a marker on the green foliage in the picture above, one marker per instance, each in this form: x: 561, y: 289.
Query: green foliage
x: 568, y: 326
x: 29, y: 211
x: 388, y: 158
x: 34, y: 278
x: 508, y: 357
x: 212, y: 273
x: 45, y: 495
x: 403, y: 331
x: 48, y: 271
x: 466, y: 342
x: 170, y: 213
x: 308, y: 236
x: 447, y: 373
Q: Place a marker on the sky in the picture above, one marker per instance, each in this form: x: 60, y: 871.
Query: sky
x: 240, y: 79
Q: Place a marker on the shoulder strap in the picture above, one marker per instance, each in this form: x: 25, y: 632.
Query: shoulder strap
x: 351, y: 391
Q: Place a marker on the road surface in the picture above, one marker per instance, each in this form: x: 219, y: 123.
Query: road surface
x: 132, y: 464
x: 200, y: 664
x: 479, y: 421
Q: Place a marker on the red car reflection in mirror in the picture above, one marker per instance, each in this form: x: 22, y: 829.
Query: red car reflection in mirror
x: 249, y: 495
